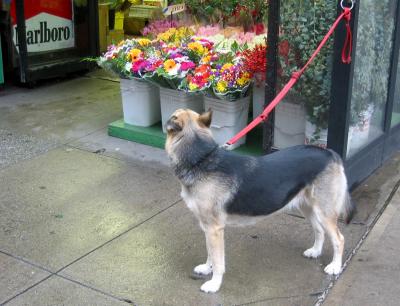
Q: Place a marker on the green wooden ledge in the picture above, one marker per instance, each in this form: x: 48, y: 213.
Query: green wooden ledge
x: 153, y: 136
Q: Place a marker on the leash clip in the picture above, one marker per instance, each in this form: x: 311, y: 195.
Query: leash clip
x: 227, y: 146
x: 343, y: 6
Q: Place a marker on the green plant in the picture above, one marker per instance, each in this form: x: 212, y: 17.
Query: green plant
x: 241, y: 12
x: 303, y: 25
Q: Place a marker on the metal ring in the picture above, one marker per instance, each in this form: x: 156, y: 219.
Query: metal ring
x: 351, y: 7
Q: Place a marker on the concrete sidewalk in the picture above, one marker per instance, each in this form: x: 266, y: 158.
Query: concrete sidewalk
x: 87, y: 219
x: 372, y: 277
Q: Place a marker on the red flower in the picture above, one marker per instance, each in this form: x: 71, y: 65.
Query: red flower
x: 259, y: 28
x: 255, y: 60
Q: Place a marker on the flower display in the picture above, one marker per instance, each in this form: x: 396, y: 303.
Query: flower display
x: 180, y: 60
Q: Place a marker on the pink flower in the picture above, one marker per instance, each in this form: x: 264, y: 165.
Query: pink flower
x: 208, y: 31
x: 140, y: 65
x: 187, y: 65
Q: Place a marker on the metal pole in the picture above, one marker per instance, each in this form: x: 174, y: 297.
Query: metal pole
x: 272, y: 68
x: 22, y: 47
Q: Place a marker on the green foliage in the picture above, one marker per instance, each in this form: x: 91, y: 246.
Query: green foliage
x: 303, y: 25
x: 222, y: 11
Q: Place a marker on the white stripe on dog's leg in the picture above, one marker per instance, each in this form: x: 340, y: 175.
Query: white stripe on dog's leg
x: 215, y: 237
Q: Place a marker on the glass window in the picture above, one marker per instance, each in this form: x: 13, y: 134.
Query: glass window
x: 396, y: 102
x: 303, y: 114
x: 371, y: 72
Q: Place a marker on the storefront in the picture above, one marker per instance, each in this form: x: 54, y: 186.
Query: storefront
x: 46, y: 39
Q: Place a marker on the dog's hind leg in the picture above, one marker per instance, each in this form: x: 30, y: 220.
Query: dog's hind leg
x: 337, y: 239
x: 215, y: 239
x: 319, y: 233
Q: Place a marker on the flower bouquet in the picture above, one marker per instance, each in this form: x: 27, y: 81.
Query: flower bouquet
x: 126, y: 59
x: 231, y: 81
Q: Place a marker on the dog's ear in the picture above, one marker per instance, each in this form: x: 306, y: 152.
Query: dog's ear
x: 173, y: 125
x: 205, y: 118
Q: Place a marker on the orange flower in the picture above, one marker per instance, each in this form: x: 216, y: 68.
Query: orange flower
x: 135, y: 55
x: 169, y: 65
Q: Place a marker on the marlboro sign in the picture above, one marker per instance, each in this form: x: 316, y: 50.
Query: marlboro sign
x: 49, y: 24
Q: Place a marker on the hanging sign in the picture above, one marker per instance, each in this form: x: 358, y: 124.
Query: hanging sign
x: 49, y: 24
x: 174, y: 9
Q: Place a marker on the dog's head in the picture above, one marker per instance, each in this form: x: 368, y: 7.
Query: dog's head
x: 183, y: 125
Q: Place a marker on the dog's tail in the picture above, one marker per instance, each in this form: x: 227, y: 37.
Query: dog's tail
x: 349, y: 208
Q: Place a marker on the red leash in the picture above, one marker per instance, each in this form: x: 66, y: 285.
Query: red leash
x: 346, y: 58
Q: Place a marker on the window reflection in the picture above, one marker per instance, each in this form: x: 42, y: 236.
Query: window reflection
x: 371, y: 72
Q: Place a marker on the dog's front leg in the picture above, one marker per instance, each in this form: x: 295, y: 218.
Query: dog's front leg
x: 215, y: 244
x: 205, y: 269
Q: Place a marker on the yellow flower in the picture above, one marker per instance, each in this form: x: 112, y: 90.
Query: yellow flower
x: 144, y: 42
x: 193, y: 86
x: 246, y: 75
x: 169, y: 65
x: 135, y: 55
x: 221, y: 86
x: 226, y: 66
x: 121, y: 43
x: 206, y: 59
x: 196, y: 47
x: 242, y: 81
x: 164, y: 36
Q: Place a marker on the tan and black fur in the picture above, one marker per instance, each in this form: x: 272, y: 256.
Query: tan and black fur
x: 223, y: 188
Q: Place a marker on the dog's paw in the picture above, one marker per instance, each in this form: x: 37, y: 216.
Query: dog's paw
x: 312, y: 253
x: 333, y: 269
x: 203, y: 269
x: 211, y: 286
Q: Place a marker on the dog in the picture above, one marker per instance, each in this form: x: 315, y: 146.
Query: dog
x: 223, y: 188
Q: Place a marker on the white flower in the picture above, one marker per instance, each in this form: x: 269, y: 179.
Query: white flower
x: 128, y: 66
x: 174, y: 71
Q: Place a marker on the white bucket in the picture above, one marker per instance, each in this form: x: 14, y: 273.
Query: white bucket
x: 140, y: 102
x: 290, y: 124
x: 229, y: 118
x: 171, y: 100
x: 322, y: 136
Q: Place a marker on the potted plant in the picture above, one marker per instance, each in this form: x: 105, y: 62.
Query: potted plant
x: 225, y: 83
x: 178, y: 56
x: 230, y: 102
x: 130, y: 59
